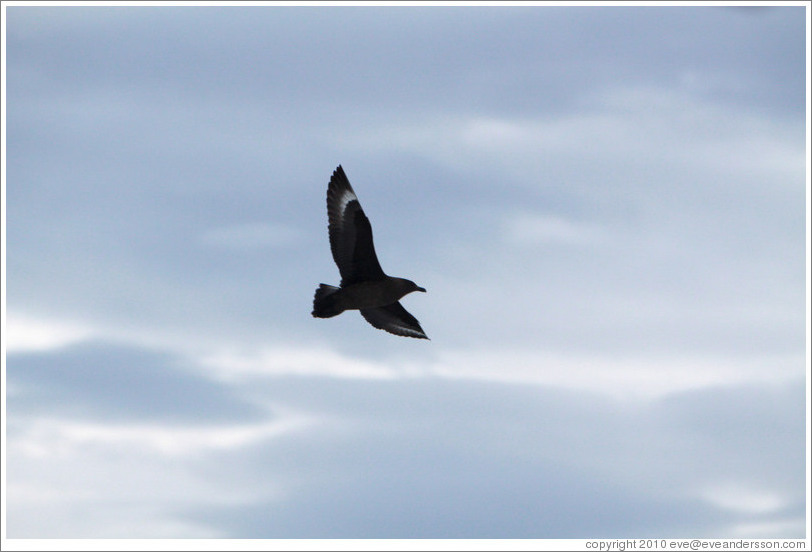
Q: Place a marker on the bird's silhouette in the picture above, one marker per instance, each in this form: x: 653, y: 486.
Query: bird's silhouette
x: 364, y: 285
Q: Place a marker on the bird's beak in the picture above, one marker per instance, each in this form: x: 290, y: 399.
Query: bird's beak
x: 421, y: 289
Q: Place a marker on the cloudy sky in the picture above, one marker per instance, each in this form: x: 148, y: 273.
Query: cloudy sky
x: 606, y: 205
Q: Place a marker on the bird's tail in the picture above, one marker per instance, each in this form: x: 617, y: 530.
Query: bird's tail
x: 324, y: 303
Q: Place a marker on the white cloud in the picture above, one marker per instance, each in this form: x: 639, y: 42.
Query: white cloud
x: 621, y: 377
x: 141, y: 479
x: 791, y: 528
x: 526, y: 229
x: 627, y: 127
x: 30, y: 333
x: 251, y: 236
x: 744, y: 498
x: 641, y: 374
x: 74, y: 479
x: 45, y: 437
x: 234, y: 365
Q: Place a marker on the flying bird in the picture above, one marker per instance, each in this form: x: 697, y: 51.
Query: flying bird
x: 364, y: 286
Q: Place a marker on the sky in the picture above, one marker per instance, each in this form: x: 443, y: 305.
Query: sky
x: 607, y: 206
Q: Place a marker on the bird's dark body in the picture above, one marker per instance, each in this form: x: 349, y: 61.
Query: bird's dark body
x: 364, y: 285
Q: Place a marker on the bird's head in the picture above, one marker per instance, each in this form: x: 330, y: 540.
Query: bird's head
x: 407, y: 286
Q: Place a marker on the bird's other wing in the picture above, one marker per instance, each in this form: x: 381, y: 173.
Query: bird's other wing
x: 395, y: 320
x: 350, y: 233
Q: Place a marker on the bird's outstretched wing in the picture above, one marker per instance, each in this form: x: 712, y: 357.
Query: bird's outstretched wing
x: 350, y: 233
x: 395, y: 320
